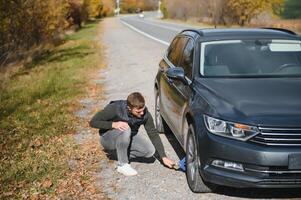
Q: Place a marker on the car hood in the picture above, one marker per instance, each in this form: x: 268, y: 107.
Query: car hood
x: 257, y: 101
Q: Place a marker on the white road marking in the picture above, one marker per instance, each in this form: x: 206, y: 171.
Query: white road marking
x: 178, y: 24
x: 145, y: 34
x: 153, y: 24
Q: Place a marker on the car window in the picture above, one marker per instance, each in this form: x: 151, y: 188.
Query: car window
x: 171, y: 49
x: 187, y: 59
x: 256, y: 58
x: 175, y: 50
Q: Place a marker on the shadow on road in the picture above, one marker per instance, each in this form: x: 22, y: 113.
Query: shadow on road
x: 175, y: 145
x: 252, y: 193
x: 112, y: 155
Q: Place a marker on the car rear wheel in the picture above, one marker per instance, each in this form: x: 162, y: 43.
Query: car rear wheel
x: 161, y: 125
x: 194, y: 179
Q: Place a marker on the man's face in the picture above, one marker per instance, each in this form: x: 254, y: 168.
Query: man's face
x: 137, y: 112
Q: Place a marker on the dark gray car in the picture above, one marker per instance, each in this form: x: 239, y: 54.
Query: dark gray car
x: 232, y: 98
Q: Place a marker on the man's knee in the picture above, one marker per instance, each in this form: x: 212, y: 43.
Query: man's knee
x: 113, y: 138
x: 150, y: 151
x: 125, y: 136
x: 126, y: 133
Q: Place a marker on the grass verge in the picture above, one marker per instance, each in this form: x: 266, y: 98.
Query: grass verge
x: 37, y: 120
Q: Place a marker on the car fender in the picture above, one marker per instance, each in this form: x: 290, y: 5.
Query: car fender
x: 187, y: 119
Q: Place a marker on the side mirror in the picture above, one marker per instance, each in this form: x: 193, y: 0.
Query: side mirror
x: 176, y: 73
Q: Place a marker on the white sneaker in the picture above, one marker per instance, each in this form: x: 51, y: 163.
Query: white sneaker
x: 126, y: 170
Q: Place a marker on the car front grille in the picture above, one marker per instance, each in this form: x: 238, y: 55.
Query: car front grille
x: 278, y: 136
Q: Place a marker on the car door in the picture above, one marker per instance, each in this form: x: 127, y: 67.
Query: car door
x: 183, y: 90
x: 169, y: 92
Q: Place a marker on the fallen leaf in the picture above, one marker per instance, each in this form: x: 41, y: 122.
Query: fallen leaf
x: 47, y: 183
x: 37, y: 143
x: 21, y: 184
x: 7, y: 194
x: 35, y: 196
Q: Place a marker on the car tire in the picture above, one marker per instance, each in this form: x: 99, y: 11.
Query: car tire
x: 160, y: 123
x: 194, y: 178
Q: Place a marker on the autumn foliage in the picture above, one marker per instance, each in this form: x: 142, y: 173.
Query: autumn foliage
x: 130, y: 6
x: 239, y: 12
x: 40, y: 155
x: 252, y: 13
x: 24, y: 24
x: 242, y: 11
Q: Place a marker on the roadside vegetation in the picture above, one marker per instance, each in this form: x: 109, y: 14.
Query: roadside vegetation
x: 37, y: 119
x: 250, y: 13
x: 292, y: 9
x: 28, y: 27
x: 48, y: 51
x: 131, y: 6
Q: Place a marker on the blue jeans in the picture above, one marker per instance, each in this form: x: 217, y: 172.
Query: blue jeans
x: 127, y: 145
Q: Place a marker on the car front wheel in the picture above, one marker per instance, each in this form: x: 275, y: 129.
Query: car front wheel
x: 194, y: 179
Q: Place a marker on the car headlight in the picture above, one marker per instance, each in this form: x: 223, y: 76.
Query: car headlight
x: 228, y: 129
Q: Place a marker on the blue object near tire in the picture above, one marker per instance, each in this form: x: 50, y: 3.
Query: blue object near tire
x: 182, y: 164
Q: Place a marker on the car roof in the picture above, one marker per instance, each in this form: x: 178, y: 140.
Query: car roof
x: 232, y: 33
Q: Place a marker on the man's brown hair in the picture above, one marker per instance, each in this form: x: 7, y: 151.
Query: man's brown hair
x: 135, y: 100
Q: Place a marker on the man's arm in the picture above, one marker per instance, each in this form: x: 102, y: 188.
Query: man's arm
x: 156, y: 140
x: 104, y: 118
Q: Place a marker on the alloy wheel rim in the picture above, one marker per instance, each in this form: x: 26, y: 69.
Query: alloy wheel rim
x: 157, y: 113
x: 191, y: 161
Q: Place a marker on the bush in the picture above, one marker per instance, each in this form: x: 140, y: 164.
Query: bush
x: 292, y: 9
x: 224, y: 12
x: 24, y: 24
x: 164, y: 10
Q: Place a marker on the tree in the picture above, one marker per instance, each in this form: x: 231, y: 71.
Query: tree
x: 130, y: 6
x: 28, y: 23
x: 242, y: 11
x: 91, y: 8
x: 108, y: 7
x: 292, y: 9
x: 216, y: 10
x: 74, y: 15
x: 163, y: 9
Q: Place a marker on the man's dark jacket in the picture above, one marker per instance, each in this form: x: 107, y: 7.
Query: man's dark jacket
x: 117, y: 111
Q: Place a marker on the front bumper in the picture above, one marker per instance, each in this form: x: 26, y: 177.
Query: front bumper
x: 264, y: 167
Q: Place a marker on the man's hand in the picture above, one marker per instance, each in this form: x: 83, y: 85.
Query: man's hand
x: 122, y: 126
x: 168, y: 162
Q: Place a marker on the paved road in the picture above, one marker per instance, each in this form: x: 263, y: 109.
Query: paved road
x: 152, y: 27
x: 160, y: 31
x: 132, y: 62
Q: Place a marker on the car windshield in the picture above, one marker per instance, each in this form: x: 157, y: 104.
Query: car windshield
x: 251, y: 58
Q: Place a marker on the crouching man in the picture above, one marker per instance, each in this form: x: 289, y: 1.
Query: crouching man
x: 118, y: 125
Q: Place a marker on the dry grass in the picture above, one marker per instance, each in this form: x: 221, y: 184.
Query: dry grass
x: 37, y: 122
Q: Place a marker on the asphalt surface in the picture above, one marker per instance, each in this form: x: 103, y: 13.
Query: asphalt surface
x: 132, y: 62
x: 150, y: 25
x: 157, y: 30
